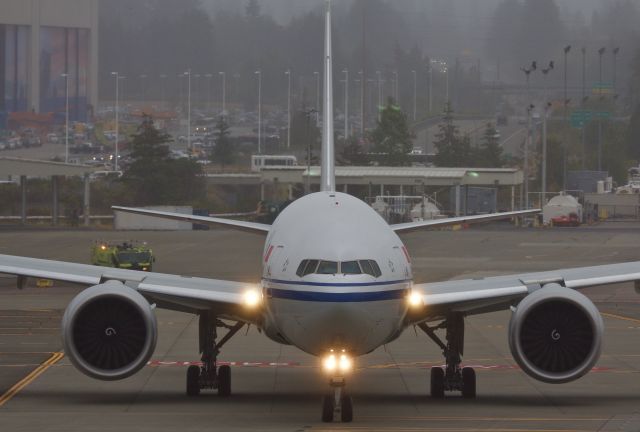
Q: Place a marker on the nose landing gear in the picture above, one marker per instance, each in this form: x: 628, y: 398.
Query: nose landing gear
x: 452, y: 377
x: 210, y: 375
x: 338, y: 403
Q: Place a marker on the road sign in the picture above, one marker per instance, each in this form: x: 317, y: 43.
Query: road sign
x: 580, y: 118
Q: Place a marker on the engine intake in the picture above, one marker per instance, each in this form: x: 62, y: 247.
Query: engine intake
x: 555, y: 334
x: 109, y: 331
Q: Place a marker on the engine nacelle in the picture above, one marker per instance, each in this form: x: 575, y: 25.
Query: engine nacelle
x: 555, y: 334
x: 109, y: 331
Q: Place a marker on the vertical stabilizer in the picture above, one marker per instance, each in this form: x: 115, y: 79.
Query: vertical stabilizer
x: 328, y: 171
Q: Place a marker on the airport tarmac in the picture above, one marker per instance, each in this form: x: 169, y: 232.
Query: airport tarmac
x: 278, y: 388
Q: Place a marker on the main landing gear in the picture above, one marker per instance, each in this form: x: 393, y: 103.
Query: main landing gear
x: 338, y: 403
x: 210, y: 375
x: 452, y: 377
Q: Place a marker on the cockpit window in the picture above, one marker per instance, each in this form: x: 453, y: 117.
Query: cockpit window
x: 311, y: 267
x: 376, y: 268
x: 370, y: 267
x: 300, y: 271
x: 327, y: 267
x: 350, y: 267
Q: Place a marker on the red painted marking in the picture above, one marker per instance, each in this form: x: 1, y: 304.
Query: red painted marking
x: 157, y: 363
x: 266, y: 257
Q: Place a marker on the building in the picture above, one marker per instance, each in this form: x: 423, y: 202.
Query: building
x: 40, y: 40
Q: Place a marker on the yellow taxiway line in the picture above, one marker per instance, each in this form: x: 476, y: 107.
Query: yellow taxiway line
x: 620, y: 317
x: 6, y: 397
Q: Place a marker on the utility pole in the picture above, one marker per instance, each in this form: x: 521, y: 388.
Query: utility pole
x: 547, y: 106
x: 395, y: 87
x: 527, y: 144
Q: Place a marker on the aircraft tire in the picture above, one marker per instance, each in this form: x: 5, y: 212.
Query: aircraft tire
x: 224, y: 381
x: 327, y: 409
x: 468, y: 383
x: 346, y: 409
x: 437, y: 382
x: 193, y: 380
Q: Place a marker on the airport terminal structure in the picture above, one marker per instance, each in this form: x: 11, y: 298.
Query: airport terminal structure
x: 42, y: 44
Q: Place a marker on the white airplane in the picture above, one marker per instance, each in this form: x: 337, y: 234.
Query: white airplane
x: 337, y: 284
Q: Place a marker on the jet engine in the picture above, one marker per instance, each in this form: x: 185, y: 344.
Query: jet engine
x: 555, y: 334
x: 109, y: 331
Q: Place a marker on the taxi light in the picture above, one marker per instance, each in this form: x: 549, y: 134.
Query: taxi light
x: 341, y: 363
x: 252, y: 298
x: 415, y: 299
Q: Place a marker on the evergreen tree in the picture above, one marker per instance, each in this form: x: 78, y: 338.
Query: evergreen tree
x: 352, y: 153
x: 490, y: 153
x: 392, y: 137
x: 224, y: 151
x: 453, y: 149
x: 153, y: 177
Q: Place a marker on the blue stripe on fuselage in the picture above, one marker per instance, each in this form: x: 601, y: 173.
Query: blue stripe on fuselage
x: 348, y: 297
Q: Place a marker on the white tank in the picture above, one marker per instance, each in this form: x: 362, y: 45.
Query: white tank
x: 425, y: 211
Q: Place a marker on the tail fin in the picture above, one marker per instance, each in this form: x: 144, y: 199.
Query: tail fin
x: 328, y: 171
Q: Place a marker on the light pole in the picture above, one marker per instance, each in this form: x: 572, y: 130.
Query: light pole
x: 224, y: 92
x: 209, y: 78
x: 567, y: 49
x: 188, y: 75
x: 379, y: 108
x: 66, y: 135
x: 415, y: 94
x: 545, y: 71
x: 583, y: 103
x: 288, y: 74
x: 601, y: 52
x: 527, y: 144
x: 259, y: 74
x: 346, y: 104
x: 430, y: 86
x: 395, y: 87
x: 317, y: 75
x: 143, y: 81
x: 117, y: 76
x: 615, y: 72
x: 163, y: 77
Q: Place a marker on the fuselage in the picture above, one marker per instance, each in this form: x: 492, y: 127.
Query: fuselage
x: 335, y: 276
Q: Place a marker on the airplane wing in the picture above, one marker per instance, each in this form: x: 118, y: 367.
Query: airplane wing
x: 436, y: 223
x: 473, y: 296
x: 253, y: 227
x: 181, y: 293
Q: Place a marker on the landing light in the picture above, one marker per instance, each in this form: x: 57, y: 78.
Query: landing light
x: 337, y: 362
x: 252, y: 298
x: 415, y: 299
